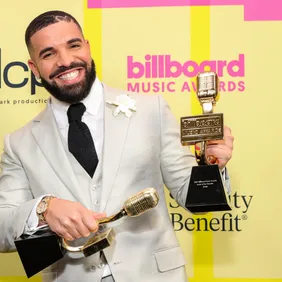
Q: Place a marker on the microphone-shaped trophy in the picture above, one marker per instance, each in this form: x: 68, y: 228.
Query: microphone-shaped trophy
x: 206, y: 190
x: 42, y: 249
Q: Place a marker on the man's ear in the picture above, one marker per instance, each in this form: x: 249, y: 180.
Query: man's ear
x: 33, y: 68
x: 88, y: 45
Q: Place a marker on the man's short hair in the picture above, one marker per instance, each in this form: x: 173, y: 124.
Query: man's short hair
x: 45, y: 20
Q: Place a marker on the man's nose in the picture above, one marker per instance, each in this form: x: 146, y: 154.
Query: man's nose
x: 64, y: 59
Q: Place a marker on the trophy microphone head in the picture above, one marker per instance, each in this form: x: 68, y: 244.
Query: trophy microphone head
x: 207, y: 86
x: 141, y: 202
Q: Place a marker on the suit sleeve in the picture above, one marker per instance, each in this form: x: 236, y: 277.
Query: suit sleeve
x: 16, y: 199
x: 176, y: 160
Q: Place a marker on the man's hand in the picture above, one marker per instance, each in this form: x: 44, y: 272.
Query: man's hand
x: 71, y: 220
x: 221, y: 149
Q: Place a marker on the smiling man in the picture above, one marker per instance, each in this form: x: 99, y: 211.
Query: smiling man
x: 77, y: 161
x: 61, y: 57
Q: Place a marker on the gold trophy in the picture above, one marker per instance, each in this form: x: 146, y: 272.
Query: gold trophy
x: 42, y: 249
x: 134, y: 206
x: 206, y: 192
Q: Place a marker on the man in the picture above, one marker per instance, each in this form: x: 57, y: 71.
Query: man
x: 46, y: 180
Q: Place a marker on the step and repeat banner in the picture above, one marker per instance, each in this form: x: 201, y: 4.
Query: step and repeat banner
x: 158, y: 47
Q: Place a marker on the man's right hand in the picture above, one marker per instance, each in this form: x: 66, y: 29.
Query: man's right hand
x: 71, y: 220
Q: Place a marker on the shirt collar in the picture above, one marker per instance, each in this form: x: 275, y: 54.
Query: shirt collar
x: 92, y: 102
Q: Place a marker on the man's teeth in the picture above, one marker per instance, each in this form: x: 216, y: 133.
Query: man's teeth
x: 70, y: 75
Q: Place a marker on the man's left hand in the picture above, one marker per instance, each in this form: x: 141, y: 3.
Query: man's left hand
x: 221, y: 149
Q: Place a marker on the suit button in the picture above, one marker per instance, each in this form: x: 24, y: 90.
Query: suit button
x: 92, y: 268
x: 94, y: 187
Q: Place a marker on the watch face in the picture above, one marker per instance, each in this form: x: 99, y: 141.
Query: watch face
x: 41, y: 207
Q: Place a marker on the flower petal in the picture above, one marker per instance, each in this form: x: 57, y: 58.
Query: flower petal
x: 116, y: 111
x: 128, y: 113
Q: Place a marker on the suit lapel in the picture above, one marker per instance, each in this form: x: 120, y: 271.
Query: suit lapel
x: 115, y: 129
x: 48, y: 139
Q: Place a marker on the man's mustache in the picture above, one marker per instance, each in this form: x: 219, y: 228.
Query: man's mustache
x: 63, y: 69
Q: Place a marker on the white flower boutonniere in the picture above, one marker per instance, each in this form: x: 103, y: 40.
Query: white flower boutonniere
x: 123, y: 104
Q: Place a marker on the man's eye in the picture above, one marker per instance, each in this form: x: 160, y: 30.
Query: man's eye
x: 74, y: 46
x: 47, y: 55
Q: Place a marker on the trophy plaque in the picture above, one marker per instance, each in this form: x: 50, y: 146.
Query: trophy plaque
x: 206, y: 192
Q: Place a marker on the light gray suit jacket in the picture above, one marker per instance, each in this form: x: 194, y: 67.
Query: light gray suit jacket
x: 139, y: 152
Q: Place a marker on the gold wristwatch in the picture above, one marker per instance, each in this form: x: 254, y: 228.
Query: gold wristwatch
x: 42, y: 207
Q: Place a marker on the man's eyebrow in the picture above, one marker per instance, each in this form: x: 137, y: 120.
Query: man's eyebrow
x: 74, y: 40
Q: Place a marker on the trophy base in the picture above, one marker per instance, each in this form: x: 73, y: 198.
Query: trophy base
x: 206, y: 191
x: 39, y: 251
x: 45, y: 247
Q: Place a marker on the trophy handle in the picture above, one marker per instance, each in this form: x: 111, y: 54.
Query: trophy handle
x: 96, y: 243
x: 200, y: 153
x: 112, y: 218
x: 69, y: 248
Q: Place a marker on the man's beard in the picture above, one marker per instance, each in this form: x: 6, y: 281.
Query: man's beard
x: 71, y: 93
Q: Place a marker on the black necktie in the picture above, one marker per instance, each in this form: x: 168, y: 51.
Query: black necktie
x: 80, y: 141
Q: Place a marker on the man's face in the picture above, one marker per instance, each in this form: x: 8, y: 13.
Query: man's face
x: 61, y: 57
